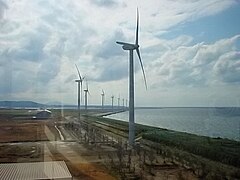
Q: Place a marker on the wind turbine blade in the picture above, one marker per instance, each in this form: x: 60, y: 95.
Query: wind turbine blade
x: 123, y: 43
x: 87, y: 87
x: 136, y: 42
x: 138, y: 53
x: 78, y: 72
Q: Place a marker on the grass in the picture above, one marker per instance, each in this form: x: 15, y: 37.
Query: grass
x: 217, y: 149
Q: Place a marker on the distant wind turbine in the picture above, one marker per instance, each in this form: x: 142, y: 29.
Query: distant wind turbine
x: 118, y: 101
x: 131, y: 48
x: 123, y: 102
x: 79, y: 81
x: 112, y: 101
x: 103, y: 94
x: 86, y: 95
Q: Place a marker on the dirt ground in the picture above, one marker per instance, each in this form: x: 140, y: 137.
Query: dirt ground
x: 34, y: 141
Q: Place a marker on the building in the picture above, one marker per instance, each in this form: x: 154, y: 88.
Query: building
x: 35, y: 170
x: 43, y: 114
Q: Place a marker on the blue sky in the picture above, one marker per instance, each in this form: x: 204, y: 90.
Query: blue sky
x: 190, y: 50
x: 211, y: 28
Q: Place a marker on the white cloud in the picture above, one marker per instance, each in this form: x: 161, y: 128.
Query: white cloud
x: 201, y: 64
x: 227, y: 68
x: 107, y: 3
x: 3, y: 7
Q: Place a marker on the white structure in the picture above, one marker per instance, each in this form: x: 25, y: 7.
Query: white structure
x: 103, y: 94
x: 112, y: 101
x: 35, y: 170
x: 43, y: 114
x: 79, y: 81
x: 131, y: 47
x: 118, y: 101
x: 86, y: 95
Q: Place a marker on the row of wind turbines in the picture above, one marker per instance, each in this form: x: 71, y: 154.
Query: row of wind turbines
x: 86, y: 93
x: 128, y: 47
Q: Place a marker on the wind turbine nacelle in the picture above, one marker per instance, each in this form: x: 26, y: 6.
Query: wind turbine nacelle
x: 129, y: 47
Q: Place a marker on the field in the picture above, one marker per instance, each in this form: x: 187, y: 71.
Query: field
x: 25, y: 140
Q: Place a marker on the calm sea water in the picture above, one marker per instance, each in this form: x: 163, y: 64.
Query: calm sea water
x: 213, y: 122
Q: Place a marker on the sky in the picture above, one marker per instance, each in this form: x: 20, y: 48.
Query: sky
x: 190, y: 51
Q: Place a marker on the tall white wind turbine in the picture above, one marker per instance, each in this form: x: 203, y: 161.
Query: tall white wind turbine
x: 79, y: 81
x: 131, y: 47
x: 118, y: 101
x: 86, y: 95
x: 103, y: 94
x: 112, y: 97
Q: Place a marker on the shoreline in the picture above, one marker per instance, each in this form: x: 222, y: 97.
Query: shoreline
x: 197, y: 148
x: 195, y: 151
x: 206, y: 130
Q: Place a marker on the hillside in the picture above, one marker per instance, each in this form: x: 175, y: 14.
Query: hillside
x: 20, y: 104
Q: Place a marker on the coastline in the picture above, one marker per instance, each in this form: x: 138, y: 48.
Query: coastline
x: 195, y: 150
x: 210, y: 122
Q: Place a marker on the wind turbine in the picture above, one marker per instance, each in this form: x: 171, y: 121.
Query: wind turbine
x: 86, y: 95
x: 123, y: 103
x: 118, y: 101
x: 103, y: 94
x: 131, y: 47
x: 79, y: 81
x: 112, y: 97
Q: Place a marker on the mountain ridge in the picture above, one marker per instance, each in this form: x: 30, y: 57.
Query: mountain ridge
x: 11, y: 104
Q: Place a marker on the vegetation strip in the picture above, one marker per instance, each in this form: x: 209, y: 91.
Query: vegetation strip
x: 222, y: 150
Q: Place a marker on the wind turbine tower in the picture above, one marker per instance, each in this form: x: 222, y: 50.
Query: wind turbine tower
x: 118, y: 101
x: 86, y: 95
x: 79, y: 81
x: 103, y: 94
x: 131, y: 47
x: 112, y: 97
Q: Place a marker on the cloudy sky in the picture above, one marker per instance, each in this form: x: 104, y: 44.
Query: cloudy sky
x: 190, y: 50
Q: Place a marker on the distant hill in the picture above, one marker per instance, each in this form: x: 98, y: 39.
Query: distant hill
x: 20, y: 104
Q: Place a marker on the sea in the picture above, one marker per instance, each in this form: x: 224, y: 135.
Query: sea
x: 223, y: 122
